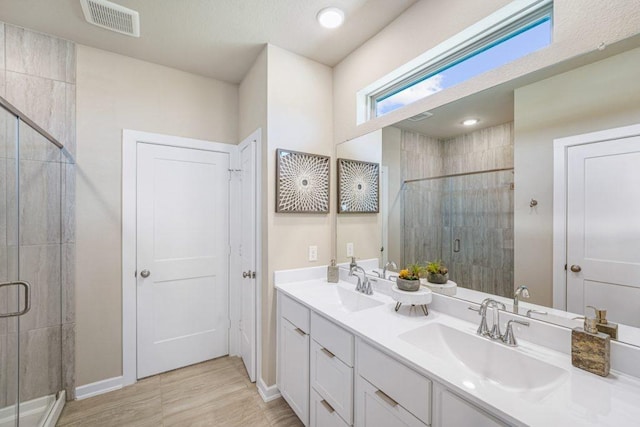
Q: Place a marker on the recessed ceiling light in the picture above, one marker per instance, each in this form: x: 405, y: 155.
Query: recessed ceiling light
x: 470, y: 122
x: 331, y: 17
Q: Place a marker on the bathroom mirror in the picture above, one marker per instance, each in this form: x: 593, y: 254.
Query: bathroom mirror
x: 481, y: 198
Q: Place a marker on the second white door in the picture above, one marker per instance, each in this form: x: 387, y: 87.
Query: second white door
x: 603, y: 228
x: 182, y: 257
x: 248, y: 256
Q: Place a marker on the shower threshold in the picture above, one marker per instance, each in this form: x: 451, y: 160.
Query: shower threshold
x: 40, y: 412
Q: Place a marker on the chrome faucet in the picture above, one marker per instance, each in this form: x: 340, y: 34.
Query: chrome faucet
x: 495, y: 334
x: 483, y: 329
x: 509, y: 337
x: 391, y: 264
x: 521, y: 292
x: 363, y: 285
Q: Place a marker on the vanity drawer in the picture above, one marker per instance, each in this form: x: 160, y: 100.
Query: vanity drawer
x: 332, y: 380
x: 405, y: 386
x: 294, y: 312
x: 323, y: 414
x: 333, y: 338
x: 374, y: 409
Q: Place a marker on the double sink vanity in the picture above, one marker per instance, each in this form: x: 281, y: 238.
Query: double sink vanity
x: 346, y: 358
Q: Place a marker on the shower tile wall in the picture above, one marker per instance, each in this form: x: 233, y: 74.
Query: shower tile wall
x: 37, y: 75
x: 476, y: 209
x: 421, y: 156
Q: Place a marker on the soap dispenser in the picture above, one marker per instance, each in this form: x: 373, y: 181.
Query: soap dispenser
x: 590, y: 349
x: 333, y: 274
x: 603, y: 325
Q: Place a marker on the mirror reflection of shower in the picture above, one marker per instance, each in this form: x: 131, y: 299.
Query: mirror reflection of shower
x: 466, y: 221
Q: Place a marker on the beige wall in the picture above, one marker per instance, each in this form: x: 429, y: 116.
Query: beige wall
x: 299, y: 112
x: 599, y: 96
x: 579, y: 26
x: 114, y: 93
x: 363, y: 230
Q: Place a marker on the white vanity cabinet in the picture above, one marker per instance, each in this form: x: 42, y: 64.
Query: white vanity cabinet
x: 331, y: 378
x: 293, y: 355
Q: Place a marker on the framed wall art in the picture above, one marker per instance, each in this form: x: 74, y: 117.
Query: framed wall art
x: 302, y: 182
x: 358, y: 186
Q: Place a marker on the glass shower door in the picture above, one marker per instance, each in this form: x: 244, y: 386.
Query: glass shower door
x: 9, y: 296
x: 40, y: 174
x: 31, y: 237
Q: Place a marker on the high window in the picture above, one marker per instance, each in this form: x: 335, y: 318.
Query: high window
x: 509, y: 34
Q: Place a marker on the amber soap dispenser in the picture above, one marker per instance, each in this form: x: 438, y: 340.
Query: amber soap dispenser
x: 590, y: 349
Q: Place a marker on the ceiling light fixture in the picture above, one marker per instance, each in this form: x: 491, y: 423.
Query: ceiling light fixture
x: 470, y: 122
x: 330, y: 17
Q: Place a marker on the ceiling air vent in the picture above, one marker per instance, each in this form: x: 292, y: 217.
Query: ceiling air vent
x: 420, y: 116
x: 112, y: 16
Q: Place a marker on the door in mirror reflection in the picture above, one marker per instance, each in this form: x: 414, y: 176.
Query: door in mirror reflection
x: 603, y: 228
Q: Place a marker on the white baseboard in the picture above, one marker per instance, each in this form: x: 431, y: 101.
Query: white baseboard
x: 267, y: 393
x: 99, y: 387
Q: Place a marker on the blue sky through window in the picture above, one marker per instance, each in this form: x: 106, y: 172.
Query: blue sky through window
x: 518, y: 45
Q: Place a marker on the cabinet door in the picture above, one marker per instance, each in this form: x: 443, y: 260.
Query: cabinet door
x: 453, y: 411
x: 375, y: 409
x: 294, y: 368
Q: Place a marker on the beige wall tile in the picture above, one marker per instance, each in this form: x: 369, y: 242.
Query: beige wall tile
x: 37, y: 54
x: 40, y: 361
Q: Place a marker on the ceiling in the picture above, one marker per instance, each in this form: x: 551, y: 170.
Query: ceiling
x: 215, y: 38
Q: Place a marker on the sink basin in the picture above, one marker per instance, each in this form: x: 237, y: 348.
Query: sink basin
x: 348, y: 300
x: 487, y: 360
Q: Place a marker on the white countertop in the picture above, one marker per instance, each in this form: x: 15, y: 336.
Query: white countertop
x: 578, y: 399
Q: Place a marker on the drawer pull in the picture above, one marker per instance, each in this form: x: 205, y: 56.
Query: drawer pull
x: 327, y: 406
x: 328, y: 353
x: 384, y: 396
x: 300, y: 331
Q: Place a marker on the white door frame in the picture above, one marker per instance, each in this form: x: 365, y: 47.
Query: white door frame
x: 130, y: 139
x: 560, y: 160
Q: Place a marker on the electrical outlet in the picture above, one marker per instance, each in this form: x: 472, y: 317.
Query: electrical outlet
x: 313, y: 253
x: 349, y: 249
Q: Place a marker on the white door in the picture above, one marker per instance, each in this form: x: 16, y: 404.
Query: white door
x: 248, y: 256
x: 603, y: 228
x: 182, y: 257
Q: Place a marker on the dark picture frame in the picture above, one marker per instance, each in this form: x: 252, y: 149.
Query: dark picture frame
x: 358, y: 186
x: 302, y: 182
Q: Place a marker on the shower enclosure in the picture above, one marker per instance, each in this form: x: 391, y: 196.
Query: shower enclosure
x: 465, y: 220
x: 34, y: 259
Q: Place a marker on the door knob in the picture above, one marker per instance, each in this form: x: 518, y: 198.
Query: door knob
x: 145, y: 274
x: 576, y: 268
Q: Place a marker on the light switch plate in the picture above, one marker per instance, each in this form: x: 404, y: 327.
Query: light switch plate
x: 313, y: 253
x: 349, y: 249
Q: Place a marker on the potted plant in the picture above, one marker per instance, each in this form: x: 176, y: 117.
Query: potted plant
x: 437, y: 272
x: 409, y: 278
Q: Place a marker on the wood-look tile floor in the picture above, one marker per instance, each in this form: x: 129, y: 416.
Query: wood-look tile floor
x: 213, y: 393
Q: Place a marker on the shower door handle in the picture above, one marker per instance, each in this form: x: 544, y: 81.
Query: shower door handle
x: 27, y: 298
x: 456, y: 245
